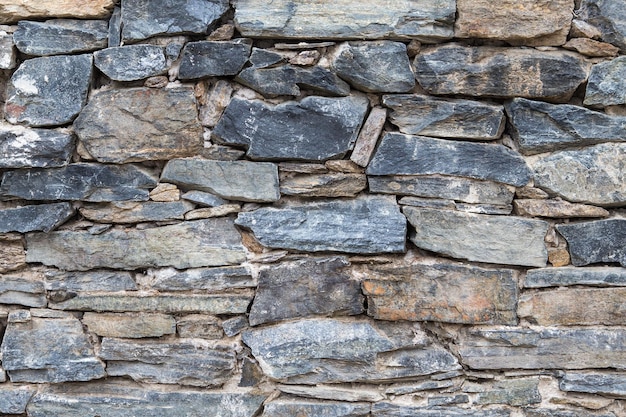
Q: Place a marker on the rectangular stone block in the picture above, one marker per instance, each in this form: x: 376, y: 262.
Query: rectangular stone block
x: 136, y: 212
x: 609, y: 384
x: 210, y: 279
x: 310, y: 408
x: 14, y: 10
x: 103, y: 280
x: 558, y: 277
x: 596, y: 241
x: 22, y: 290
x: 42, y: 217
x: 131, y: 326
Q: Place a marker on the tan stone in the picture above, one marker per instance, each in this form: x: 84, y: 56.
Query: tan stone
x: 130, y: 325
x: 582, y: 29
x: 222, y: 33
x: 595, y: 402
x: 305, y: 58
x: 14, y: 10
x: 531, y: 192
x: 557, y: 209
x: 343, y: 165
x: 366, y: 142
x: 216, y: 101
x: 12, y: 255
x: 558, y: 257
x: 323, y: 185
x: 208, y: 212
x: 591, y: 47
x: 165, y: 193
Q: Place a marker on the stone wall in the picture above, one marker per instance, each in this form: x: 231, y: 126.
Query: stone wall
x: 340, y: 208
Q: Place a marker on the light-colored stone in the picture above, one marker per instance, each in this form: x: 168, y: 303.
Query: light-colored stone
x: 14, y: 10
x: 216, y: 101
x: 8, y: 53
x: 12, y: 255
x: 606, y: 84
x: 199, y: 326
x: 368, y: 137
x: 130, y: 325
x: 323, y: 185
x: 209, y: 212
x: 592, y: 48
x: 165, y: 193
x: 136, y: 212
x: 556, y: 209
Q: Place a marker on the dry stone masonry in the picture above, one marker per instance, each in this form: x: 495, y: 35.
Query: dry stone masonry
x: 272, y: 208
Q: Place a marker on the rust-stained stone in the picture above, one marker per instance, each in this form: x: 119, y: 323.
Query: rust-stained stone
x: 12, y: 255
x: 556, y: 209
x: 368, y: 137
x: 14, y: 10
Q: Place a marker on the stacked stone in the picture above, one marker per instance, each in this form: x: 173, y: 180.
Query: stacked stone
x: 332, y: 209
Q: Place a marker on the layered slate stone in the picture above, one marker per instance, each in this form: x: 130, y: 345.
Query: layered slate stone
x: 130, y: 325
x: 82, y: 181
x: 542, y: 127
x: 417, y: 19
x: 442, y: 292
x: 98, y: 280
x: 211, y: 242
x: 416, y: 114
x: 142, y: 19
x: 310, y: 408
x: 139, y: 62
x: 608, y: 17
x: 596, y: 241
x: 594, y: 175
x: 374, y: 67
x: 594, y: 383
x: 399, y: 154
x: 48, y: 91
x: 42, y: 217
x: 66, y: 355
x: 551, y: 412
x: 557, y: 277
x: 368, y: 137
x: 212, y: 279
x: 207, y: 58
x: 515, y: 392
x: 21, y: 147
x: 489, y: 71
x: 22, y: 290
x: 14, y: 10
x: 334, y: 184
x: 316, y: 286
x: 233, y: 180
x: 15, y: 398
x: 606, y: 83
x: 330, y: 350
x: 387, y: 409
x: 556, y: 209
x: 60, y: 36
x: 139, y: 124
x: 12, y: 255
x: 362, y: 225
x: 479, y: 237
x: 136, y: 212
x: 313, y: 129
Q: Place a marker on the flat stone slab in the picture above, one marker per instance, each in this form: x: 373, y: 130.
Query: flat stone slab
x: 334, y: 184
x: 13, y: 10
x: 132, y: 62
x: 608, y: 17
x: 206, y: 58
x: 211, y: 242
x: 97, y: 280
x: 556, y: 209
x: 613, y: 385
x: 596, y: 241
x: 60, y: 36
x: 425, y: 20
x: 208, y: 279
x: 514, y: 392
x: 21, y: 147
x: 313, y: 129
x: 15, y: 398
x: 22, y: 290
x: 363, y: 225
x: 300, y: 407
x: 606, y: 83
x: 551, y: 412
x: 136, y: 212
x: 399, y: 154
x: 558, y: 277
x: 42, y: 217
x: 140, y: 124
x: 386, y: 409
x: 130, y: 325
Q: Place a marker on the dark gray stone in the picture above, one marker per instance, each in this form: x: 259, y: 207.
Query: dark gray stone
x: 212, y: 279
x: 103, y: 280
x: 385, y: 409
x: 362, y: 225
x: 14, y: 398
x: 131, y: 63
x: 235, y: 325
x: 416, y: 114
x: 594, y: 383
x: 313, y: 129
x: 596, y: 241
x: 515, y: 392
x: 312, y: 408
x: 606, y: 85
x: 450, y: 399
x: 115, y: 28
x: 375, y: 67
x: 60, y: 36
x: 262, y: 58
x: 208, y: 58
x: 83, y: 181
x: 42, y: 217
x: 203, y: 199
x: 399, y: 154
x: 558, y: 277
x: 21, y: 147
x: 607, y: 16
x: 48, y: 91
x: 136, y: 212
x: 20, y: 290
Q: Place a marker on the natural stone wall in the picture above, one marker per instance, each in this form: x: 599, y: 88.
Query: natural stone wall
x: 303, y: 208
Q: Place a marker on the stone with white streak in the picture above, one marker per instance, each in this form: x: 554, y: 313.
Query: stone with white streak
x: 21, y: 147
x: 60, y: 36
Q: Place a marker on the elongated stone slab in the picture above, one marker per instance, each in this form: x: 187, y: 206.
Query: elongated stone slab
x: 363, y: 225
x: 557, y: 277
x: 212, y: 279
x: 103, y: 280
x: 21, y: 147
x: 26, y: 291
x: 14, y: 10
x: 399, y: 154
x: 416, y: 114
x: 136, y: 212
x: 42, y: 217
x: 417, y: 19
x: 60, y: 36
x: 210, y: 242
x: 559, y: 209
x: 594, y: 383
x: 335, y: 184
x: 130, y: 325
x: 479, y: 237
x: 310, y: 408
x: 206, y: 58
x: 551, y: 412
x: 386, y: 409
x: 608, y: 17
x: 606, y: 84
x: 596, y: 241
x: 139, y: 62
x: 515, y: 392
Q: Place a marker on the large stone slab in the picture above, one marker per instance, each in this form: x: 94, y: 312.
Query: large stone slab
x: 42, y: 217
x: 206, y: 58
x: 48, y: 91
x: 233, y: 180
x: 130, y: 325
x: 211, y: 279
x: 210, y: 242
x: 102, y: 280
x: 15, y: 398
x: 140, y: 124
x: 14, y: 10
x: 558, y: 277
x: 132, y: 62
x: 136, y: 212
x: 613, y: 385
x: 416, y: 114
x: 363, y: 225
x: 312, y: 408
x: 606, y: 83
x: 608, y: 17
x: 387, y: 409
x: 60, y: 36
x: 313, y: 129
x: 596, y: 241
x: 21, y: 147
x: 488, y: 71
x: 416, y: 19
x: 479, y: 237
x: 399, y: 154
x: 594, y: 175
x: 82, y: 181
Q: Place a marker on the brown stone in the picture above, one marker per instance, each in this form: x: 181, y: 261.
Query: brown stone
x: 165, y: 192
x: 216, y: 101
x: 208, y: 212
x: 558, y: 209
x: 12, y: 255
x: 200, y: 326
x: 531, y: 192
x: 591, y: 47
x: 129, y: 325
x: 582, y: 29
x: 368, y: 137
x: 323, y: 185
x: 343, y: 165
x: 14, y: 10
x: 558, y: 256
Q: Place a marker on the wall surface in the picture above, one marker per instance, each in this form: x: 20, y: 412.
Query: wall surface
x: 313, y: 208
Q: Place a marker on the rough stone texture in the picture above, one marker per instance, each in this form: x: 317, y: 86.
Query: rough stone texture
x: 416, y: 114
x: 441, y: 292
x: 211, y: 242
x: 21, y: 147
x: 314, y: 129
x: 594, y: 383
x: 608, y: 17
x: 556, y: 209
x: 606, y: 85
x: 212, y: 279
x: 558, y: 277
x: 399, y: 154
x: 208, y: 212
x: 479, y: 237
x: 417, y: 19
x: 233, y: 180
x: 25, y: 291
x: 140, y: 124
x: 140, y: 61
x: 136, y: 212
x: 594, y: 175
x: 592, y: 48
x: 130, y: 325
x: 312, y: 408
x: 333, y: 392
x: 42, y: 217
x: 551, y: 412
x: 385, y: 409
x: 596, y: 241
x: 381, y: 66
x: 56, y: 280
x: 199, y: 326
x: 8, y: 53
x: 115, y: 28
x: 12, y: 255
x: 37, y: 96
x: 368, y: 137
x: 207, y: 59
x: 515, y: 392
x: 489, y: 71
x: 323, y: 185
x: 60, y: 36
x: 217, y: 100
x: 14, y: 10
x: 363, y: 225
x: 14, y: 398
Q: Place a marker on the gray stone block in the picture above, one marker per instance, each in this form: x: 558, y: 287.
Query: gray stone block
x: 42, y: 217
x: 208, y: 58
x: 613, y: 385
x: 596, y: 241
x: 608, y: 17
x: 312, y: 408
x: 21, y: 147
x: 131, y: 63
x: 60, y: 36
x: 558, y: 277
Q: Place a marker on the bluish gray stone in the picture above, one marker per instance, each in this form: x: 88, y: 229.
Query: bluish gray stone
x: 609, y: 17
x: 448, y: 399
x: 386, y: 409
x: 115, y: 28
x: 596, y: 241
x: 14, y: 398
x: 208, y: 58
x: 25, y: 291
x: 211, y: 279
x: 203, y: 199
x: 60, y: 36
x: 21, y: 147
x: 613, y: 385
x: 136, y: 212
x: 607, y: 85
x: 313, y: 408
x: 131, y: 63
x: 42, y: 217
x: 235, y: 325
x: 564, y: 276
x: 103, y: 280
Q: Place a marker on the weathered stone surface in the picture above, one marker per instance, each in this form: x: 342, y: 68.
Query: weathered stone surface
x: 399, y: 154
x: 140, y: 124
x: 488, y: 71
x: 12, y: 255
x: 333, y: 392
x: 8, y: 53
x: 136, y: 212
x: 368, y: 137
x: 334, y: 184
x: 594, y: 383
x: 606, y: 85
x: 115, y: 28
x: 594, y: 175
x: 417, y: 19
x: 207, y: 59
x: 386, y: 409
x: 14, y: 10
x: 541, y: 127
x: 26, y: 291
x: 208, y: 212
x: 234, y: 180
x: 38, y: 96
x: 375, y: 67
x: 416, y: 114
x: 363, y: 225
x: 21, y: 147
x: 217, y: 100
x: 211, y: 242
x: 558, y: 277
x: 89, y: 281
x: 312, y: 408
x: 235, y: 325
x: 556, y: 209
x: 212, y: 279
x: 592, y: 48
x: 548, y: 348
x: 515, y: 392
x: 313, y: 129
x: 316, y: 286
x: 479, y: 237
x: 142, y: 19
x: 596, y: 241
x: 442, y: 292
x: 42, y: 217
x: 607, y: 16
x: 139, y: 62
x: 165, y: 193
x: 66, y: 354
x: 130, y: 325
x: 329, y: 350
x: 484, y: 208
x: 202, y: 198
x: 199, y: 326
x: 60, y: 36
x: 13, y: 398
x: 551, y: 412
